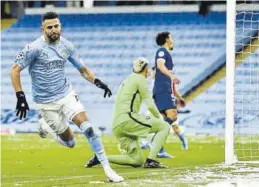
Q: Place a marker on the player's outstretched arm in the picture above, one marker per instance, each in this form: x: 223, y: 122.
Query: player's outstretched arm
x: 88, y: 75
x: 22, y: 105
x: 161, y: 66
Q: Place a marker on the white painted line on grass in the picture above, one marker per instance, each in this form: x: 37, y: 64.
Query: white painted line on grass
x: 79, y: 177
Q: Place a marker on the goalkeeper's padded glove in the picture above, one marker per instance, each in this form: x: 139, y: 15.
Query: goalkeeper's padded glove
x: 103, y: 86
x: 21, y: 105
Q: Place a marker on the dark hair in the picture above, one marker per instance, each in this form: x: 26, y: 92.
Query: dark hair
x: 49, y: 15
x: 161, y: 38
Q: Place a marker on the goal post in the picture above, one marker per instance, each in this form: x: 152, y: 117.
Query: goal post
x: 242, y: 83
x: 230, y: 68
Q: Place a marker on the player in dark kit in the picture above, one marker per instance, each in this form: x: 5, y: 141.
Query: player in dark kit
x: 165, y: 79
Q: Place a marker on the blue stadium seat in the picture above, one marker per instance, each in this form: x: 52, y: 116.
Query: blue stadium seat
x: 108, y: 43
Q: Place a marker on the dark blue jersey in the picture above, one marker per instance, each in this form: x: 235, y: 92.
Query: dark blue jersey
x: 162, y: 82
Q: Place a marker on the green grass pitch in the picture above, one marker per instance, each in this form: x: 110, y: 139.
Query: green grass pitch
x: 30, y: 161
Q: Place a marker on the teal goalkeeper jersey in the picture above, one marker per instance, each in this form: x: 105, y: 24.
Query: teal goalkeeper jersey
x: 130, y: 95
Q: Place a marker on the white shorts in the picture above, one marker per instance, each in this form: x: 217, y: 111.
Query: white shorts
x: 58, y: 112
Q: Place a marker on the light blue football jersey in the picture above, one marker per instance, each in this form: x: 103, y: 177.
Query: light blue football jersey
x: 46, y: 63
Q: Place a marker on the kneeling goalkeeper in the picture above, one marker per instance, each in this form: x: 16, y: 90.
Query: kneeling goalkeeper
x: 129, y: 126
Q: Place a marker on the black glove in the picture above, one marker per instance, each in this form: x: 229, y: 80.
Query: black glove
x: 103, y: 86
x: 21, y: 105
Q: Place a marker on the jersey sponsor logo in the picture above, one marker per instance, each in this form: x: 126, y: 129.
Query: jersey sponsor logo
x: 161, y: 54
x: 56, y: 64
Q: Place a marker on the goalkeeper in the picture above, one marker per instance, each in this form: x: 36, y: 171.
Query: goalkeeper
x: 129, y: 126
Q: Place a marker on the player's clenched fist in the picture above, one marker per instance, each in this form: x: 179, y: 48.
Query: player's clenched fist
x: 175, y: 79
x: 181, y: 102
x: 103, y: 86
x: 22, y: 105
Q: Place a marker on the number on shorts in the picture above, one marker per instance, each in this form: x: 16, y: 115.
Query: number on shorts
x: 77, y: 97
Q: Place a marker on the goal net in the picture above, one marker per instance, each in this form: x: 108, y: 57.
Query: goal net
x: 245, y: 85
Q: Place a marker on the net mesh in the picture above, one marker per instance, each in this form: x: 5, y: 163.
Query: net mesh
x: 247, y: 82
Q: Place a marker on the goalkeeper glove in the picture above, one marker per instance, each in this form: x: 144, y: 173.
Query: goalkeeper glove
x: 103, y: 86
x: 21, y: 105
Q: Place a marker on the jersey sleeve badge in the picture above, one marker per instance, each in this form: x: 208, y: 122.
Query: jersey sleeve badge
x: 20, y: 56
x: 161, y: 54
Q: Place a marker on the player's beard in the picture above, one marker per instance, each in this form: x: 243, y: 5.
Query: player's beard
x: 171, y: 46
x: 53, y: 37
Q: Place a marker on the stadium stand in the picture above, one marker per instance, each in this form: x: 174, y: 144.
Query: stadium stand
x: 246, y: 83
x: 109, y: 43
